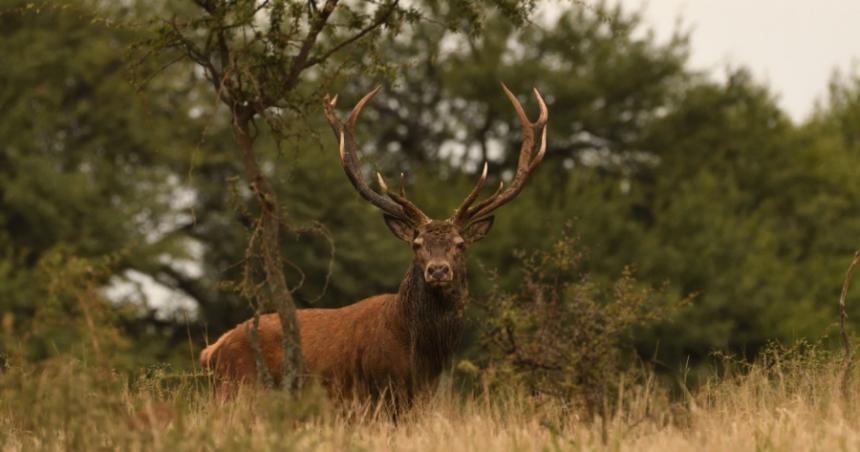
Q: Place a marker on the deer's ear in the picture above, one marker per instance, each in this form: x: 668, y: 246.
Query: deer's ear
x: 402, y: 229
x: 476, y: 230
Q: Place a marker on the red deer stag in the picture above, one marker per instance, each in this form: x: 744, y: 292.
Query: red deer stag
x: 398, y: 343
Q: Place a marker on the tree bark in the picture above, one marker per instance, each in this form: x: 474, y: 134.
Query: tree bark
x: 269, y: 245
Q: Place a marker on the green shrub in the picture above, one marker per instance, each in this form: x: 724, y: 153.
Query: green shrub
x: 563, y: 336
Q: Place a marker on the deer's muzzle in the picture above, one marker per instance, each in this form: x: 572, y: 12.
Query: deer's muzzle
x: 438, y: 273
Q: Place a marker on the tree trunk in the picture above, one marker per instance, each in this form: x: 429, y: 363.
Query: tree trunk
x: 279, y: 292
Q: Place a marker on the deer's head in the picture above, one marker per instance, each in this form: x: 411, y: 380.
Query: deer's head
x: 439, y: 244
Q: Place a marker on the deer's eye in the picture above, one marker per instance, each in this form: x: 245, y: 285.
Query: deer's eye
x: 417, y: 243
x: 459, y: 243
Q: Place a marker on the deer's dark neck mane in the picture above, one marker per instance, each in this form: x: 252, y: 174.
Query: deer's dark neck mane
x: 433, y: 317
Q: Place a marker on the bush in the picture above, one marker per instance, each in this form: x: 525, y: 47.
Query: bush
x: 563, y: 336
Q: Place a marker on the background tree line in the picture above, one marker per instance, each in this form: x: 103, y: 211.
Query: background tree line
x: 116, y: 165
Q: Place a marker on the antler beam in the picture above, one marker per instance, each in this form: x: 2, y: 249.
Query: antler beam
x: 390, y: 203
x: 527, y: 162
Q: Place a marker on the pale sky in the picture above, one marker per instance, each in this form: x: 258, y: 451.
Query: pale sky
x: 793, y: 45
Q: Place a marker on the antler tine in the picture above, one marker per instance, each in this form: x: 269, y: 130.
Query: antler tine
x: 479, y: 206
x: 541, y: 151
x: 351, y: 164
x: 526, y: 163
x: 544, y: 112
x: 412, y: 211
x: 353, y: 115
x: 528, y: 130
x: 460, y: 213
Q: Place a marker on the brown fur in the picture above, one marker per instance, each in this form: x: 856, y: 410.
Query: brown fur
x: 394, y: 344
x: 328, y: 345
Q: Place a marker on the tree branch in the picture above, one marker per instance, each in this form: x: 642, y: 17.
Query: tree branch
x: 307, y: 44
x: 376, y: 24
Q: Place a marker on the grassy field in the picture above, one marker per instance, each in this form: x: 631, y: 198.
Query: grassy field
x: 789, y: 400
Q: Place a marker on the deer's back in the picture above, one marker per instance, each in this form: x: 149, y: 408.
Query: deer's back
x: 353, y: 349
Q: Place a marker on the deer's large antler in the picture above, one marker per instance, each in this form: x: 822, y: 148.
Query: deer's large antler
x: 527, y: 162
x: 391, y: 203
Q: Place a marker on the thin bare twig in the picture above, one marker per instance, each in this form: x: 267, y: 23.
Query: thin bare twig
x: 846, y: 284
x: 847, y: 358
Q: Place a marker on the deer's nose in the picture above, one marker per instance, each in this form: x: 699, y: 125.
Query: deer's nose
x: 438, y: 271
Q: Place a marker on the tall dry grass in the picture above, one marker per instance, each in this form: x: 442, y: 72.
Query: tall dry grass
x: 797, y: 398
x: 789, y: 400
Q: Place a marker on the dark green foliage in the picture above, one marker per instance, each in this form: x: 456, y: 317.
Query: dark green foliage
x: 729, y: 212
x: 84, y: 166
x: 704, y: 186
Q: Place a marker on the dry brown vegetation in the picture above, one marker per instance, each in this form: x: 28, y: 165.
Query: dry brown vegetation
x: 796, y: 398
x: 789, y: 400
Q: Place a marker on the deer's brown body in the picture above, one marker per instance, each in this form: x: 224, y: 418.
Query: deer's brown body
x: 366, y: 349
x: 394, y: 344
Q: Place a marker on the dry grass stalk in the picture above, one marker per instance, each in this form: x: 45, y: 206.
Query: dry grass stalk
x: 846, y: 344
x: 846, y: 284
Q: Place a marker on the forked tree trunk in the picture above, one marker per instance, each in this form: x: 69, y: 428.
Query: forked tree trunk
x: 269, y: 246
